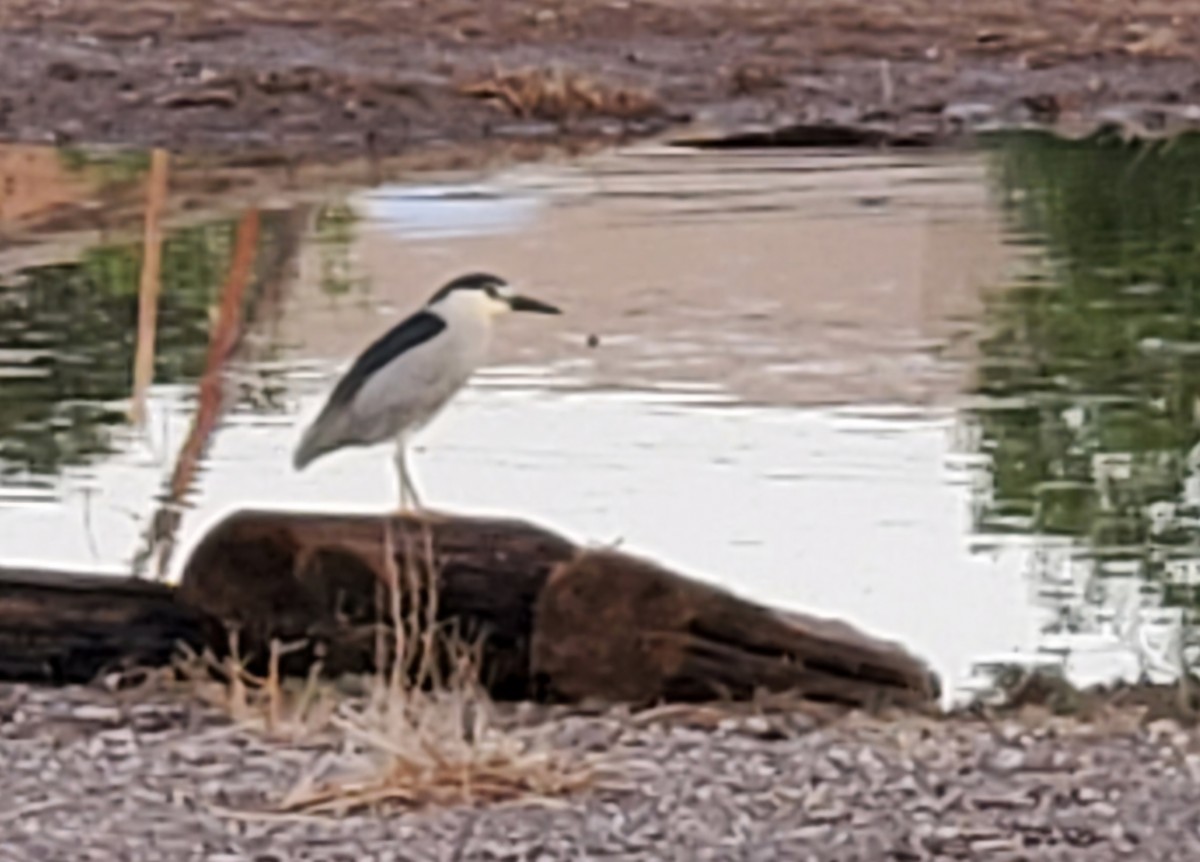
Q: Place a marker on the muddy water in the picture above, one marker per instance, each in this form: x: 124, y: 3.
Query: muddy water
x: 950, y: 397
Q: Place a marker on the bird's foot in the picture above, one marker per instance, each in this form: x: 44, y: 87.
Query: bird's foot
x: 409, y: 506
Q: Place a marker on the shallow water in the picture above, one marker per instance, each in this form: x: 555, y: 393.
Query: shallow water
x: 950, y: 397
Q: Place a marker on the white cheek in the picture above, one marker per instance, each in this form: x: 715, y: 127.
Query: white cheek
x: 492, y: 307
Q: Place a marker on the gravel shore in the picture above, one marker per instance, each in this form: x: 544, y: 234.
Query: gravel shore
x: 92, y: 775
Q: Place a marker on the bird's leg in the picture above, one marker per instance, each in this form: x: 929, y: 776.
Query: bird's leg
x: 408, y: 490
x: 400, y: 479
x: 412, y: 488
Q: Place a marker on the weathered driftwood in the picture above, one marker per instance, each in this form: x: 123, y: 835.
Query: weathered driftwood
x: 558, y: 621
x: 323, y: 578
x: 63, y: 627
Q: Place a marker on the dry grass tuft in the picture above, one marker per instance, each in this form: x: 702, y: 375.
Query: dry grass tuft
x: 423, y: 733
x: 439, y: 748
x: 558, y: 94
x: 281, y: 709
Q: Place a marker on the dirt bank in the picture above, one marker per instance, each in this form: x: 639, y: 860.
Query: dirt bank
x: 302, y: 78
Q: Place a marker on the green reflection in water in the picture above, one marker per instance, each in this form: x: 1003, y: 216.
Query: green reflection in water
x: 1094, y: 361
x: 335, y: 225
x: 68, y: 333
x: 110, y: 167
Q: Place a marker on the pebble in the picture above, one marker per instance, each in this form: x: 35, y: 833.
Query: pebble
x: 737, y: 789
x: 94, y: 712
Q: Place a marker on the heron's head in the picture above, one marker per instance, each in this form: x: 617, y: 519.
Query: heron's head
x: 487, y: 295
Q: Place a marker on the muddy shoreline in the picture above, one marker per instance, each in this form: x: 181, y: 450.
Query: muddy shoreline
x: 269, y: 80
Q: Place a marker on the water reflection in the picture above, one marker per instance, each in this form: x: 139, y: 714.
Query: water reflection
x: 334, y: 228
x: 1090, y: 373
x: 437, y: 212
x: 68, y: 331
x: 949, y: 397
x: 716, y: 307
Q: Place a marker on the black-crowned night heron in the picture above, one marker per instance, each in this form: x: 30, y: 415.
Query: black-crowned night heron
x: 406, y: 377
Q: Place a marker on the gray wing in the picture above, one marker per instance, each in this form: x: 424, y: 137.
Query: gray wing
x: 400, y: 339
x: 326, y: 432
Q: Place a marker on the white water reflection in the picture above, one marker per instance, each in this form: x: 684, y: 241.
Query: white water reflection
x: 425, y: 212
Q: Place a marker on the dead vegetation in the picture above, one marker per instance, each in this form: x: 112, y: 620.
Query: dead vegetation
x: 423, y: 732
x: 559, y: 94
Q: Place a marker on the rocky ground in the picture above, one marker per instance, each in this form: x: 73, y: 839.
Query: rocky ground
x: 89, y: 775
x: 302, y: 78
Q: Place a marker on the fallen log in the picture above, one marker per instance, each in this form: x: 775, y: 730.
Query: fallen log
x: 70, y: 627
x: 323, y: 578
x: 557, y: 622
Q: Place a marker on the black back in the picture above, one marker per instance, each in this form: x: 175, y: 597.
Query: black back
x: 401, y: 338
x: 472, y: 281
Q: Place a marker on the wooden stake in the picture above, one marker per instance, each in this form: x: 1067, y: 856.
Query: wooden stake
x: 150, y: 284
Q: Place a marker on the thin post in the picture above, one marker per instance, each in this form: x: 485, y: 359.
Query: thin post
x: 150, y: 284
